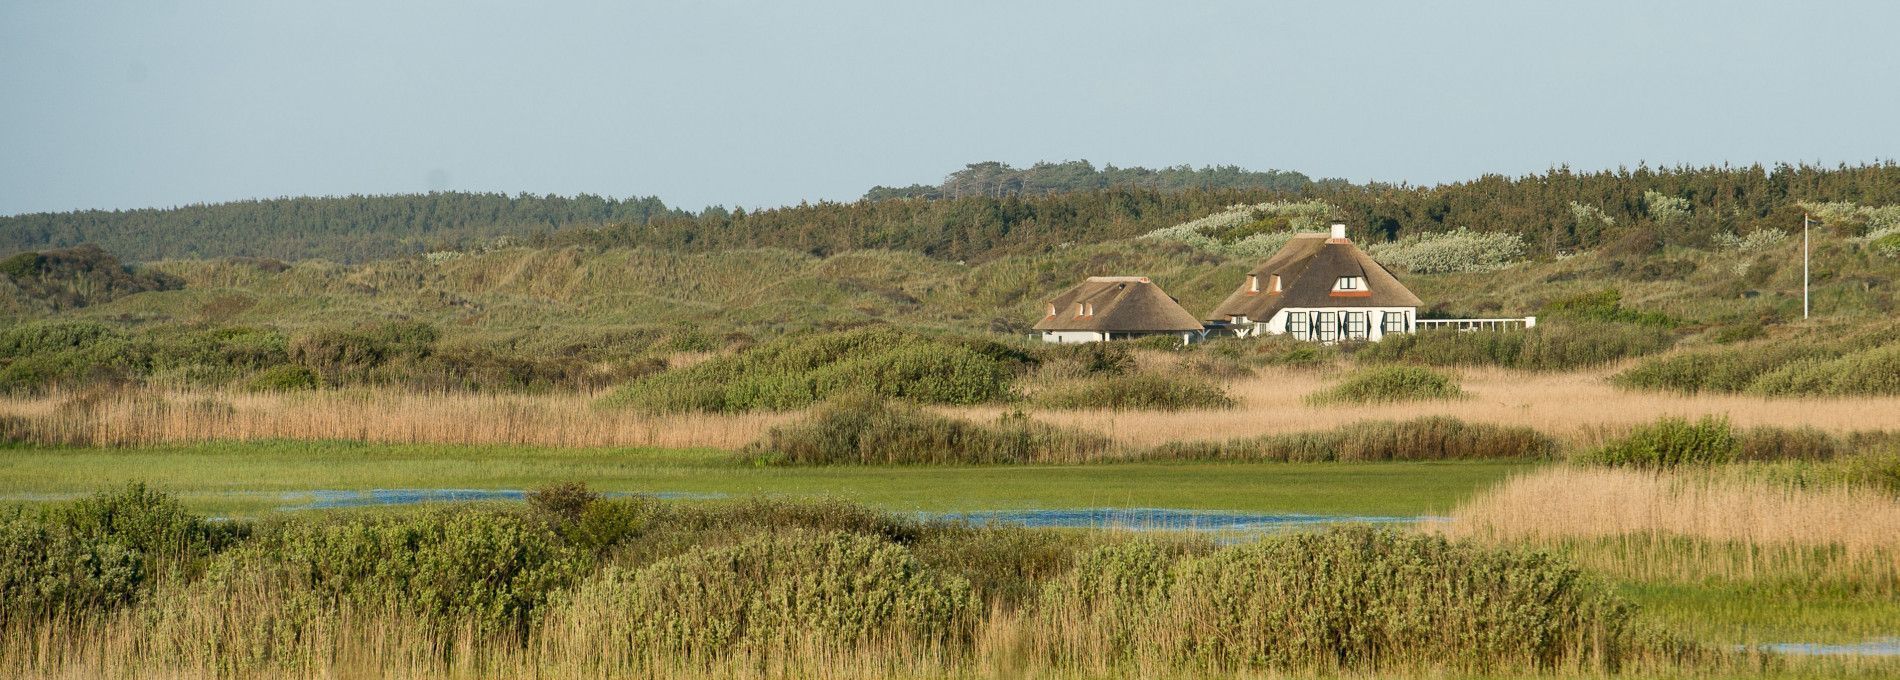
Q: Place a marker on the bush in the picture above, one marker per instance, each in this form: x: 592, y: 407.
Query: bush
x: 864, y: 430
x: 488, y: 572
x: 1426, y: 438
x: 1670, y: 442
x: 1603, y: 305
x: 1459, y: 250
x: 1349, y: 598
x: 1822, y: 362
x: 1874, y: 372
x: 99, y: 553
x: 1386, y: 384
x: 1138, y: 391
x: 284, y: 378
x: 1549, y: 346
x: 567, y: 501
x: 791, y: 593
x: 796, y: 372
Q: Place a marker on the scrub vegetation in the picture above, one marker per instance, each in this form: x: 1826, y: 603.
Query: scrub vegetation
x: 1381, y: 384
x: 1671, y: 463
x: 789, y: 588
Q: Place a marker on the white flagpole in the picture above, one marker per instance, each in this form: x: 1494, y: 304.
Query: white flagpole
x: 1804, y: 265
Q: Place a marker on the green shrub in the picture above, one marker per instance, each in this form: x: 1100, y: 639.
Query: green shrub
x: 566, y: 501
x: 1603, y: 305
x: 98, y: 553
x: 1821, y: 362
x: 1349, y: 598
x: 1137, y: 391
x: 284, y: 378
x: 447, y: 570
x: 1548, y: 347
x: 1874, y: 372
x: 1385, y: 384
x: 1670, y: 442
x: 790, y: 593
x: 1281, y: 350
x: 798, y: 371
x: 864, y: 430
x: 1425, y: 438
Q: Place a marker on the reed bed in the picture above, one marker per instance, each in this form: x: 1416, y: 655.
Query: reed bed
x: 390, y: 416
x: 1688, y: 527
x: 1580, y: 407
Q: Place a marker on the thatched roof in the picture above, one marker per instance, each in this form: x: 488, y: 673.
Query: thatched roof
x: 1121, y: 304
x: 1308, y: 267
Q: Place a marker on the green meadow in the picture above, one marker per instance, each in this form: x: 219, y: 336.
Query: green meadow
x: 249, y: 478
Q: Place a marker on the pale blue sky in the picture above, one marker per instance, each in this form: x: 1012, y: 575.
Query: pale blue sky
x: 157, y: 103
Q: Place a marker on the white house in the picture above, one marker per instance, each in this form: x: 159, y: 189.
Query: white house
x: 1115, y: 308
x: 1319, y: 287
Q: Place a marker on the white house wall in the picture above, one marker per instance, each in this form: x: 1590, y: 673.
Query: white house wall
x: 1071, y: 337
x: 1375, y: 327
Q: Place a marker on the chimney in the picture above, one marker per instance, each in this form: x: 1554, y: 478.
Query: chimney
x: 1339, y: 233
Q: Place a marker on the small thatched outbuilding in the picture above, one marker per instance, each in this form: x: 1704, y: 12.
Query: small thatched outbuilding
x: 1115, y: 308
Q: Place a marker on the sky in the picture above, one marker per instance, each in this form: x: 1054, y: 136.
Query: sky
x: 156, y: 103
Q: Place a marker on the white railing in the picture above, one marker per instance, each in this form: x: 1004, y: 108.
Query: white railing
x: 1478, y: 324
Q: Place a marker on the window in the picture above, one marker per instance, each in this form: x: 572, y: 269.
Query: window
x: 1326, y: 326
x: 1356, y: 325
x: 1296, y: 325
x: 1350, y: 283
x: 1253, y: 283
x: 1394, y: 322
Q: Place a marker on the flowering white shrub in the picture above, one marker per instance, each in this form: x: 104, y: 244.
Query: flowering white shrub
x: 1878, y: 224
x: 1665, y: 209
x: 1760, y: 239
x: 1870, y: 219
x: 441, y: 256
x: 1203, y: 233
x: 1886, y: 241
x: 1459, y: 250
x: 1587, y: 214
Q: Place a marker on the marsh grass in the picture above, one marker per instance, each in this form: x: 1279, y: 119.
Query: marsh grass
x: 1141, y: 391
x: 863, y: 430
x: 1424, y: 438
x: 1386, y: 384
x: 1684, y: 527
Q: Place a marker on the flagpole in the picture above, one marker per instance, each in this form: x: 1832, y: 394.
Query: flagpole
x: 1804, y: 265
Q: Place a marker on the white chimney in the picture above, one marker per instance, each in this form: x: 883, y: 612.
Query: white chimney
x: 1339, y: 231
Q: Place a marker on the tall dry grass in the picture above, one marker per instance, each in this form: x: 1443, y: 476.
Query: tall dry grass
x: 1581, y: 407
x: 151, y: 417
x: 1687, y: 527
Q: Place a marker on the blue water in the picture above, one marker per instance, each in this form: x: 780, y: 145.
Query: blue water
x: 1880, y: 647
x: 1137, y: 519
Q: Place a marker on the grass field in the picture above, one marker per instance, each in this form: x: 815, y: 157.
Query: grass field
x: 245, y: 478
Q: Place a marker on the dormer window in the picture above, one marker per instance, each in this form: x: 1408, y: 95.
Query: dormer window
x: 1276, y: 283
x: 1078, y: 309
x: 1351, y: 283
x: 1052, y: 309
x: 1091, y: 309
x: 1253, y: 283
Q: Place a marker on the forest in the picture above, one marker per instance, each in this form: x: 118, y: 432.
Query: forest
x: 990, y: 210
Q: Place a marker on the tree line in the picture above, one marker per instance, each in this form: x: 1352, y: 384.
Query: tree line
x: 990, y: 210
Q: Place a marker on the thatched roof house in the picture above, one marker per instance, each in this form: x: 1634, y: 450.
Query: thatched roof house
x: 1319, y: 287
x: 1114, y: 308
